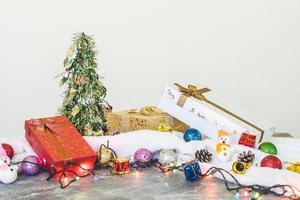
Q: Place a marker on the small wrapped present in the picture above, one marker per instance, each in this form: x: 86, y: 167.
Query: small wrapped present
x: 190, y: 106
x: 248, y: 140
x: 192, y: 171
x: 146, y: 118
x: 58, y: 144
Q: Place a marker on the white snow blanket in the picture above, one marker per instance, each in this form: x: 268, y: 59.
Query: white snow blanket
x: 126, y: 144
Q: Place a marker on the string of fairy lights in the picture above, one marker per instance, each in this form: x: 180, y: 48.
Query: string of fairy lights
x: 67, y: 176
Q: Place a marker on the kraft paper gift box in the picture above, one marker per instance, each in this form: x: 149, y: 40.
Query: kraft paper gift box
x: 58, y: 143
x: 146, y: 118
x: 190, y: 106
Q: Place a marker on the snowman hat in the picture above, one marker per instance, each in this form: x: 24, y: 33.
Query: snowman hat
x: 222, y: 133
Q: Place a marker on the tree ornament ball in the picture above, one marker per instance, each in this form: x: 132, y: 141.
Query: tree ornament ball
x: 30, y: 169
x: 268, y: 148
x: 192, y: 134
x: 271, y: 162
x: 8, y: 150
x: 239, y: 167
x: 104, y: 155
x: 142, y: 155
x: 167, y: 157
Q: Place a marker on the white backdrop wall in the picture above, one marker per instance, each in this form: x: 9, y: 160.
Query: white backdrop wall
x: 247, y: 52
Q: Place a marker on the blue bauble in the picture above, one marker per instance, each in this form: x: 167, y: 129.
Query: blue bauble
x: 192, y: 134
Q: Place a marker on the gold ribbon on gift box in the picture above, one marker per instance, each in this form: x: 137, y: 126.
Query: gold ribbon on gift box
x: 193, y: 91
x: 154, y: 111
x: 47, y: 126
x: 147, y: 111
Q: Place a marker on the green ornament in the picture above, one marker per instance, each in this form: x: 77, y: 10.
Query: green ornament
x: 268, y: 147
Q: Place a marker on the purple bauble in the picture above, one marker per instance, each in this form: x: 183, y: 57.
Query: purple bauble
x: 31, y: 169
x: 142, y: 155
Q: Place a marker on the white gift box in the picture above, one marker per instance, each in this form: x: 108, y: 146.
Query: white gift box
x: 200, y: 115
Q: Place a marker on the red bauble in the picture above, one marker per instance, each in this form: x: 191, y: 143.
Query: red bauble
x: 272, y: 162
x: 9, y: 150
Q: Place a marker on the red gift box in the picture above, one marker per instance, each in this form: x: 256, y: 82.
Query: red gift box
x: 58, y: 144
x: 248, y: 140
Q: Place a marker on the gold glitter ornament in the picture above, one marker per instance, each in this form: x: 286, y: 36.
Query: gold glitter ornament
x: 294, y: 167
x: 104, y: 155
x: 164, y: 127
x: 75, y: 111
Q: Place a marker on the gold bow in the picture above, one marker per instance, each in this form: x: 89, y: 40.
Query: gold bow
x: 147, y: 110
x: 193, y: 91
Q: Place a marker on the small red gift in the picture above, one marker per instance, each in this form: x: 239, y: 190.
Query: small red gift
x: 59, y: 145
x: 247, y: 139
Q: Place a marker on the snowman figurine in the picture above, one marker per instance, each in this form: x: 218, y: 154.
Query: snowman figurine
x: 223, y: 147
x: 8, y: 172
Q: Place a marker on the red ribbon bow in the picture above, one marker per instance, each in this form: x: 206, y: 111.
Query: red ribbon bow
x: 44, y: 125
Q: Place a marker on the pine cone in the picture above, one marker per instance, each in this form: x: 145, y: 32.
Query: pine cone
x: 203, y: 155
x: 246, y: 157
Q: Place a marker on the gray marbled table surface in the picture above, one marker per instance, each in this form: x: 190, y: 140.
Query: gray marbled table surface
x: 148, y: 184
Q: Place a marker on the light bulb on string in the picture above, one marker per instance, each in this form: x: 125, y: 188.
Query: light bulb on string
x: 246, y: 193
x: 256, y: 196
x: 237, y: 196
x: 65, y: 179
x: 137, y: 174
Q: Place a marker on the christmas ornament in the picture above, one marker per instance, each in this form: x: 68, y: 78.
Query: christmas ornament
x: 192, y: 170
x: 223, y: 147
x: 155, y: 155
x: 192, y: 134
x: 121, y: 166
x: 142, y: 156
x: 75, y: 111
x: 246, y: 157
x: 30, y: 166
x: 8, y: 172
x: 239, y: 167
x: 164, y: 127
x: 272, y: 162
x: 268, y: 147
x: 105, y: 155
x: 167, y: 157
x: 294, y: 167
x: 203, y: 155
x: 79, y: 80
x: 6, y: 149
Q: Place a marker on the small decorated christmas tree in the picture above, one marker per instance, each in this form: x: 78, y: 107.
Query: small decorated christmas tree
x: 84, y: 102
